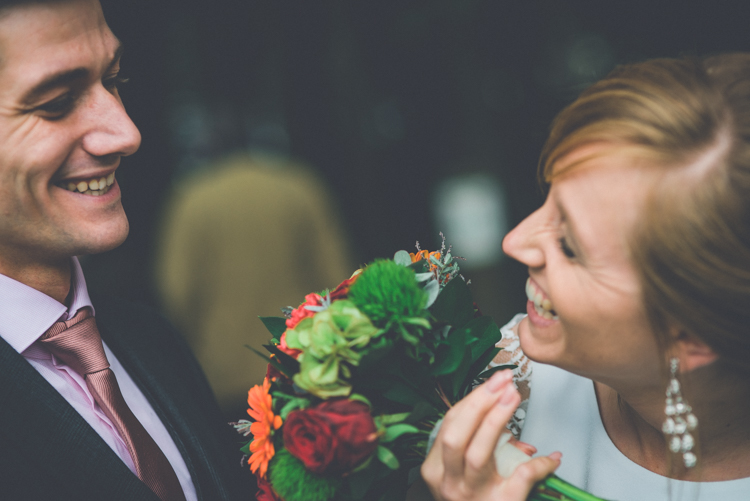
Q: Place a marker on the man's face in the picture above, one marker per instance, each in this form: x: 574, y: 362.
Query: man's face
x: 63, y: 130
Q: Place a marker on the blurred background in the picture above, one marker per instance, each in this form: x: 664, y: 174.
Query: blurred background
x: 286, y: 142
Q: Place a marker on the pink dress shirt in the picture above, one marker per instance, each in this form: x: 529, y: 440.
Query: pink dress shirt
x: 26, y: 314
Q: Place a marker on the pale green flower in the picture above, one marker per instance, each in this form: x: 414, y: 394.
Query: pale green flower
x: 331, y: 342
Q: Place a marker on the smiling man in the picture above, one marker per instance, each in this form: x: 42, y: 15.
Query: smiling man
x: 97, y: 400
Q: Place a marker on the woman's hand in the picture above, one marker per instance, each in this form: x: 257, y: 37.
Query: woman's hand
x: 461, y: 464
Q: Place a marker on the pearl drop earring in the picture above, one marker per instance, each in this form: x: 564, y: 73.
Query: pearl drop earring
x: 680, y: 420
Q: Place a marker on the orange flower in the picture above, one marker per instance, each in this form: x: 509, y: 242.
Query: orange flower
x: 261, y: 410
x: 423, y: 254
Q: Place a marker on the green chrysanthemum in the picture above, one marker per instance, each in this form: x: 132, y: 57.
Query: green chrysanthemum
x: 387, y: 291
x: 291, y: 480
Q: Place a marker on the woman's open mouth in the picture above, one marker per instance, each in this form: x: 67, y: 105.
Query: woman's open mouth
x: 542, y: 305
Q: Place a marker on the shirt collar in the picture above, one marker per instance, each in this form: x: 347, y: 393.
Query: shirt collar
x: 26, y: 313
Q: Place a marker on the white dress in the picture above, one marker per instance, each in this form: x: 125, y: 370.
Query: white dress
x: 561, y: 414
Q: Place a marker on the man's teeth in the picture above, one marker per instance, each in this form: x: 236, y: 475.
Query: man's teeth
x: 542, y: 305
x: 96, y: 187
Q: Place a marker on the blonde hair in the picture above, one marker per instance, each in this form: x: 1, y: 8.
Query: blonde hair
x: 690, y: 118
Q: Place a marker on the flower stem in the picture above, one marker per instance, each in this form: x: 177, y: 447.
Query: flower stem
x: 553, y: 488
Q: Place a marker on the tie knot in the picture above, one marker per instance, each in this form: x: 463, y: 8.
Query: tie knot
x: 77, y: 343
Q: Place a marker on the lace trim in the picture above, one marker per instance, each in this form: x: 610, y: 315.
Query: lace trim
x: 511, y: 354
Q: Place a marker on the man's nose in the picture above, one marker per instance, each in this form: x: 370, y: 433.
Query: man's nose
x: 111, y: 132
x: 521, y: 243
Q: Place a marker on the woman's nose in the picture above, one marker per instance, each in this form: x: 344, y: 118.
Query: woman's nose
x: 112, y: 132
x: 522, y: 243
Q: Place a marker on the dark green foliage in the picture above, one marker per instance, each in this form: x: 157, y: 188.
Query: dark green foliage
x: 454, y: 305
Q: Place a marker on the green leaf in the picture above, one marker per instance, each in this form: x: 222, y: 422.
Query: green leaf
x: 387, y: 458
x: 454, y: 305
x: 420, y: 266
x: 423, y: 277
x: 275, y: 325
x: 449, y: 356
x: 491, y: 371
x: 290, y: 364
x: 432, y: 288
x: 259, y: 353
x: 420, y: 412
x: 364, y: 464
x: 403, y: 395
x: 246, y: 448
x: 293, y: 405
x: 487, y: 334
x: 395, y: 431
x: 360, y: 398
x: 421, y: 322
x: 393, y: 418
x: 377, y: 349
x: 402, y: 257
x: 477, y: 367
x: 457, y: 378
x: 361, y: 480
x: 396, y: 489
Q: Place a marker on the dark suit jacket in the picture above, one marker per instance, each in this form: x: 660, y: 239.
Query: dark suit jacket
x: 48, y: 451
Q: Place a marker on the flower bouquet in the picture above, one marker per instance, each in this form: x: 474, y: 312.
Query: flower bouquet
x: 358, y: 377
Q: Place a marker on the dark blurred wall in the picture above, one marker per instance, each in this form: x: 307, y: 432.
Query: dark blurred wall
x: 384, y: 98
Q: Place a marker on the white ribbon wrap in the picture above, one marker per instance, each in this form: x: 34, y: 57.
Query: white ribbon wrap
x: 507, y: 455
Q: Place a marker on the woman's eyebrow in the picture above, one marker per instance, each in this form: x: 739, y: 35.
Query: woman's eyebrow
x: 572, y: 234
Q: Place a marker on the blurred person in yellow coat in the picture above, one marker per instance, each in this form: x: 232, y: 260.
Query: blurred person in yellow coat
x: 247, y: 236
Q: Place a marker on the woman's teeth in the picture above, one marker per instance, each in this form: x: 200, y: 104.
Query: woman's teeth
x: 542, y: 305
x: 95, y: 187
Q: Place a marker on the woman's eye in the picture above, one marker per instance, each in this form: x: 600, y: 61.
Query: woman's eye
x: 566, y: 249
x: 58, y: 107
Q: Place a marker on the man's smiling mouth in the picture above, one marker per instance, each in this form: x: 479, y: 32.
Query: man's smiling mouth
x: 94, y: 186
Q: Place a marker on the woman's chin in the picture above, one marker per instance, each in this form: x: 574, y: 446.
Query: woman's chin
x: 540, y: 343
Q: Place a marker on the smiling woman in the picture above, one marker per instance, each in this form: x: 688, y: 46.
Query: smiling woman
x: 63, y: 129
x: 638, y: 296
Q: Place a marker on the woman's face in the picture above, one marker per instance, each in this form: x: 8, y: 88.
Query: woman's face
x: 587, y: 314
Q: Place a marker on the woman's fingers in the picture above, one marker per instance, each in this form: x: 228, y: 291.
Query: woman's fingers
x: 479, y: 457
x: 461, y: 463
x: 527, y: 449
x: 465, y: 418
x: 520, y: 483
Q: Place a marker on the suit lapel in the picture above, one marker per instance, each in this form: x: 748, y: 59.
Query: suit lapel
x: 45, y: 431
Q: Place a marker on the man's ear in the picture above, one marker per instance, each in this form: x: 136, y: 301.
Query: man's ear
x: 692, y: 352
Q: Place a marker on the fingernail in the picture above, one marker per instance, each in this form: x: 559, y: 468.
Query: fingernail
x: 497, y: 381
x: 556, y: 456
x: 507, y: 397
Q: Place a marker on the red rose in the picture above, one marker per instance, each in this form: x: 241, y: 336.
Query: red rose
x: 265, y: 492
x: 300, y: 313
x: 332, y: 437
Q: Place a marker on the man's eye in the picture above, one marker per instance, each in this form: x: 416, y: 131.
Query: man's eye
x: 566, y: 248
x: 58, y: 107
x: 113, y: 83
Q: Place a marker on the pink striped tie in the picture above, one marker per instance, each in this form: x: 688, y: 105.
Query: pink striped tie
x: 77, y: 343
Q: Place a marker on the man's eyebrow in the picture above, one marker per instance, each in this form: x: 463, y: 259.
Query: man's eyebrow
x: 118, y: 55
x: 64, y: 78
